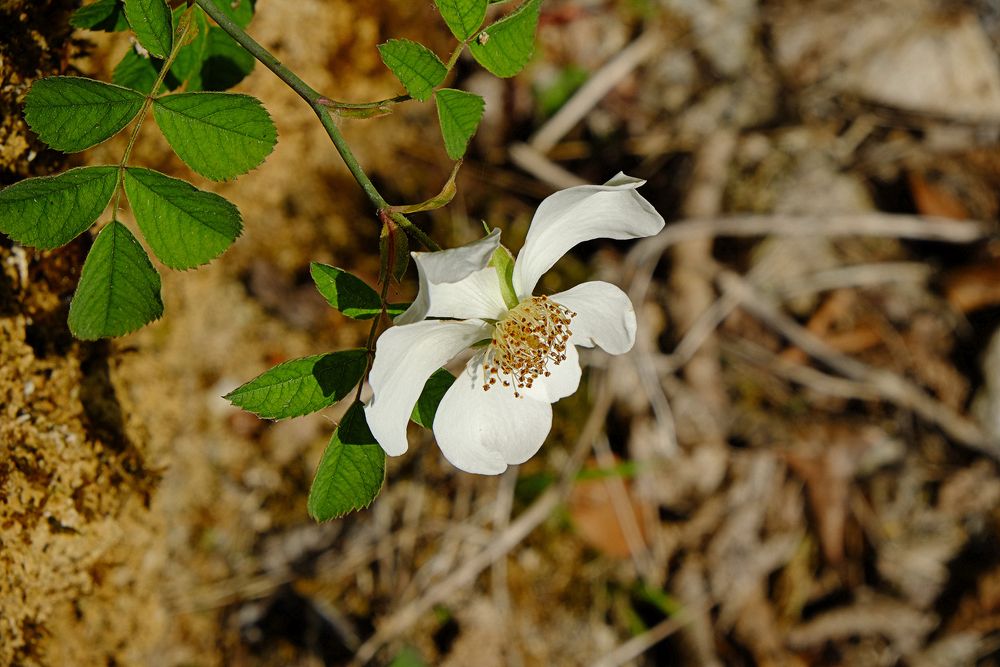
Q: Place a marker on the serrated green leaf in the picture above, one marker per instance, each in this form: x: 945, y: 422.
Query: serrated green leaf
x: 505, y: 47
x: 462, y: 16
x: 219, y: 135
x: 351, y: 472
x: 345, y: 292
x: 136, y: 72
x: 119, y: 289
x: 416, y: 66
x: 51, y: 211
x: 150, y: 21
x: 434, y: 390
x: 225, y: 62
x: 107, y: 15
x: 459, y: 114
x: 184, y: 226
x: 72, y: 113
x: 301, y: 386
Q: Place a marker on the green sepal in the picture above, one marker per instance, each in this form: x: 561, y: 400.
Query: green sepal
x: 301, y: 386
x: 503, y: 262
x: 430, y: 397
x: 351, y: 472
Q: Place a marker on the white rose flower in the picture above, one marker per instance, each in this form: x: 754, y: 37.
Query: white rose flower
x: 498, y: 412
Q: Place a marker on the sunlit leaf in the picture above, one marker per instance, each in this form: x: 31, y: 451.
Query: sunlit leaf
x: 301, y: 386
x: 51, y: 211
x: 219, y: 135
x: 150, y: 20
x: 184, y: 226
x: 505, y: 47
x: 72, y: 113
x: 351, y: 472
x: 416, y: 66
x: 119, y: 288
x: 459, y: 114
x: 462, y: 16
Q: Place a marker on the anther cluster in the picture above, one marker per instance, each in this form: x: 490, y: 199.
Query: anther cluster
x: 533, y: 333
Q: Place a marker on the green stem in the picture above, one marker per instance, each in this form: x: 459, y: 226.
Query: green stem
x: 185, y: 22
x: 318, y: 104
x: 453, y: 58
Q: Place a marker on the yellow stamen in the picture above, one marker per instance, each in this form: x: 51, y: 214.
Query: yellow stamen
x: 532, y: 334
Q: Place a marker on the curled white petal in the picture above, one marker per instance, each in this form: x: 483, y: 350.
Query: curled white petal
x: 613, y: 210
x: 405, y: 356
x: 447, y: 267
x: 485, y: 431
x: 604, y: 316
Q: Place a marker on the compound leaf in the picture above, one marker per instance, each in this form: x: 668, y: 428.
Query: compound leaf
x: 301, y: 386
x: 427, y: 404
x: 505, y: 47
x: 73, y: 113
x: 119, y: 289
x: 219, y: 135
x: 225, y: 62
x: 462, y: 16
x: 51, y: 211
x: 107, y: 15
x: 416, y: 66
x: 136, y: 72
x: 351, y: 472
x: 150, y: 20
x: 459, y: 114
x: 191, y: 54
x: 184, y: 226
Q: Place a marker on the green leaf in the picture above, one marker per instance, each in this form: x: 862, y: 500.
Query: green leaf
x: 72, y: 113
x: 459, y: 113
x: 219, y: 135
x: 137, y: 72
x: 408, y: 657
x: 505, y: 47
x: 301, y: 386
x: 351, y: 472
x: 107, y: 15
x: 345, y: 292
x: 462, y: 16
x: 183, y: 225
x: 416, y: 66
x: 119, y: 289
x: 150, y: 20
x: 503, y: 261
x: 51, y: 211
x: 225, y: 62
x: 434, y: 390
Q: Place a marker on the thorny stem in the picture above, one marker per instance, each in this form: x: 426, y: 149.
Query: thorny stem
x: 185, y: 22
x: 318, y: 103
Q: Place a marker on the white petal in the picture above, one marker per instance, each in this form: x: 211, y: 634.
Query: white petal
x: 485, y: 431
x: 405, y: 356
x: 613, y: 210
x: 445, y: 267
x: 604, y: 316
x: 563, y: 381
x: 475, y: 296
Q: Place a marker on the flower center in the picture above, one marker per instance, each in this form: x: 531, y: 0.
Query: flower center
x: 534, y: 332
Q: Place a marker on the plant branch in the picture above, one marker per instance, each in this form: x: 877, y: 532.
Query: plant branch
x: 318, y: 103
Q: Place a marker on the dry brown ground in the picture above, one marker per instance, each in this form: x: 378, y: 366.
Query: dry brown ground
x: 803, y: 444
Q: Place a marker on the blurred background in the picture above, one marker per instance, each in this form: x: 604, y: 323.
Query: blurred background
x: 796, y: 465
